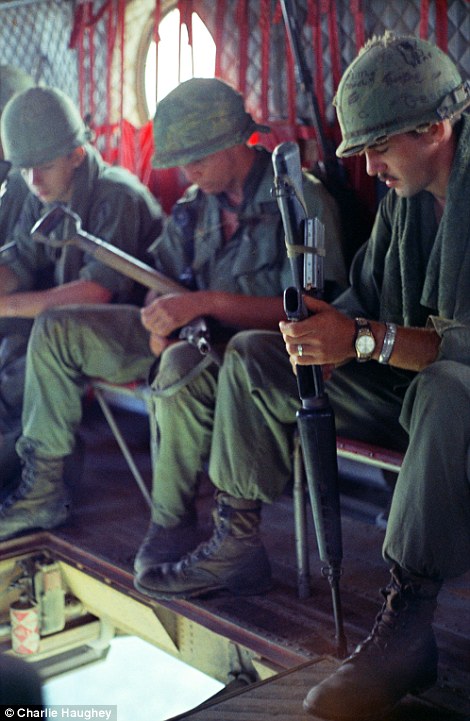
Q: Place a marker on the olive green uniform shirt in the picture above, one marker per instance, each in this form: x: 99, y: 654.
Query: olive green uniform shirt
x: 114, y: 206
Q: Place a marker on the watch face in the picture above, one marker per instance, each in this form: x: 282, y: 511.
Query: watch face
x: 365, y: 344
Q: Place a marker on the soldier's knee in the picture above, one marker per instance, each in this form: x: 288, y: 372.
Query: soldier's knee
x: 42, y: 327
x: 441, y: 392
x: 50, y: 326
x: 180, y: 364
x: 251, y: 344
x: 444, y: 379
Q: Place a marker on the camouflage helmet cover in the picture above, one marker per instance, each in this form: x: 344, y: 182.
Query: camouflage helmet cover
x: 199, y: 117
x: 396, y: 84
x: 12, y: 80
x: 39, y: 125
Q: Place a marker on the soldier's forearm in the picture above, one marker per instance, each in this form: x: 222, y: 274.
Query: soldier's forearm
x: 244, y: 311
x: 414, y: 348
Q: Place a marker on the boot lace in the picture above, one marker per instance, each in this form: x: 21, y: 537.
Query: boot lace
x: 212, y: 545
x: 392, y: 616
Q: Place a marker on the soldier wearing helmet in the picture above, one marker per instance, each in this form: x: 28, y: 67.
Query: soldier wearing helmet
x: 44, y: 137
x: 225, y: 240
x: 396, y: 85
x: 401, y: 105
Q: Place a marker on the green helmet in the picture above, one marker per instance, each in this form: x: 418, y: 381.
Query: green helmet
x: 200, y: 117
x: 395, y: 85
x: 39, y: 125
x: 12, y: 80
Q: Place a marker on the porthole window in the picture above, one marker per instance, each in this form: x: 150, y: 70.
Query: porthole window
x: 176, y: 60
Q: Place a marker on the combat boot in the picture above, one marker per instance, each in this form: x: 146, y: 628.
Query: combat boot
x: 233, y: 558
x: 41, y: 500
x: 397, y: 658
x: 167, y: 545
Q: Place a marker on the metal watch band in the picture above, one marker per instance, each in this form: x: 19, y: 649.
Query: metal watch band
x: 389, y: 342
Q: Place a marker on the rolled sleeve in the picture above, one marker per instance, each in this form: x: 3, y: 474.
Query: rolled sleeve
x: 455, y: 339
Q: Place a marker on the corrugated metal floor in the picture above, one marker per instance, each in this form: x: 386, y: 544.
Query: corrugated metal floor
x: 281, y: 698
x: 110, y: 520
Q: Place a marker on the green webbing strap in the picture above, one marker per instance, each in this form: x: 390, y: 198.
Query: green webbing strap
x: 294, y: 249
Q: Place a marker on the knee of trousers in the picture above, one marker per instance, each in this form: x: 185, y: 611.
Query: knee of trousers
x: 50, y: 324
x: 180, y: 364
x: 253, y: 343
x: 258, y: 354
x: 440, y: 391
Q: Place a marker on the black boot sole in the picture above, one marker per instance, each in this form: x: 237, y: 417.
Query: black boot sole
x: 234, y: 590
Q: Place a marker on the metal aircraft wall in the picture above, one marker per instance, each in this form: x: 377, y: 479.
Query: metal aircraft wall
x: 93, y: 51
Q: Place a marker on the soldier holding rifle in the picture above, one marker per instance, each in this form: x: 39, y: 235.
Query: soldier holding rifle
x: 224, y: 239
x: 45, y: 138
x: 406, y: 319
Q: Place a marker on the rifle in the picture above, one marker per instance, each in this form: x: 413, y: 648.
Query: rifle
x: 304, y: 81
x: 196, y: 332
x: 315, y: 419
x: 355, y: 216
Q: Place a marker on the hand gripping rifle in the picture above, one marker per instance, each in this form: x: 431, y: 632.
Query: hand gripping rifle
x: 196, y: 332
x: 315, y: 419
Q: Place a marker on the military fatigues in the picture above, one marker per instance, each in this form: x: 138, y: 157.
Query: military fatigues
x: 403, y: 276
x: 112, y: 205
x: 67, y: 347
x: 412, y: 269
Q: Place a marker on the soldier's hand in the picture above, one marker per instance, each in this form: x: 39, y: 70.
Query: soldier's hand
x: 158, y: 344
x: 168, y: 312
x: 325, y: 338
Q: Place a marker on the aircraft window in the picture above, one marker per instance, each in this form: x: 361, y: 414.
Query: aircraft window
x: 176, y: 60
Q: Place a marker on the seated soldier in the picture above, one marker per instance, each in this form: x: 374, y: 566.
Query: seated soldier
x: 227, y: 234
x: 44, y: 136
x: 411, y: 283
x: 406, y: 319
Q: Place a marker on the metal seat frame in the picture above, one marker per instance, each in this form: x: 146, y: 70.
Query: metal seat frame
x: 139, y: 390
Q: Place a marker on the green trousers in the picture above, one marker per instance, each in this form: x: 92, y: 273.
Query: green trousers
x: 428, y: 531
x: 237, y: 420
x: 67, y: 347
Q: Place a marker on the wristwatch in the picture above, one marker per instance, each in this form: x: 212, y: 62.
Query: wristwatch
x: 364, y: 342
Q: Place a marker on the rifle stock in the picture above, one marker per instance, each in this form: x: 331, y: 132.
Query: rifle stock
x: 196, y: 332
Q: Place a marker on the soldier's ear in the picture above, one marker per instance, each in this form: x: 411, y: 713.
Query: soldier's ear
x: 77, y: 156
x: 438, y: 131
